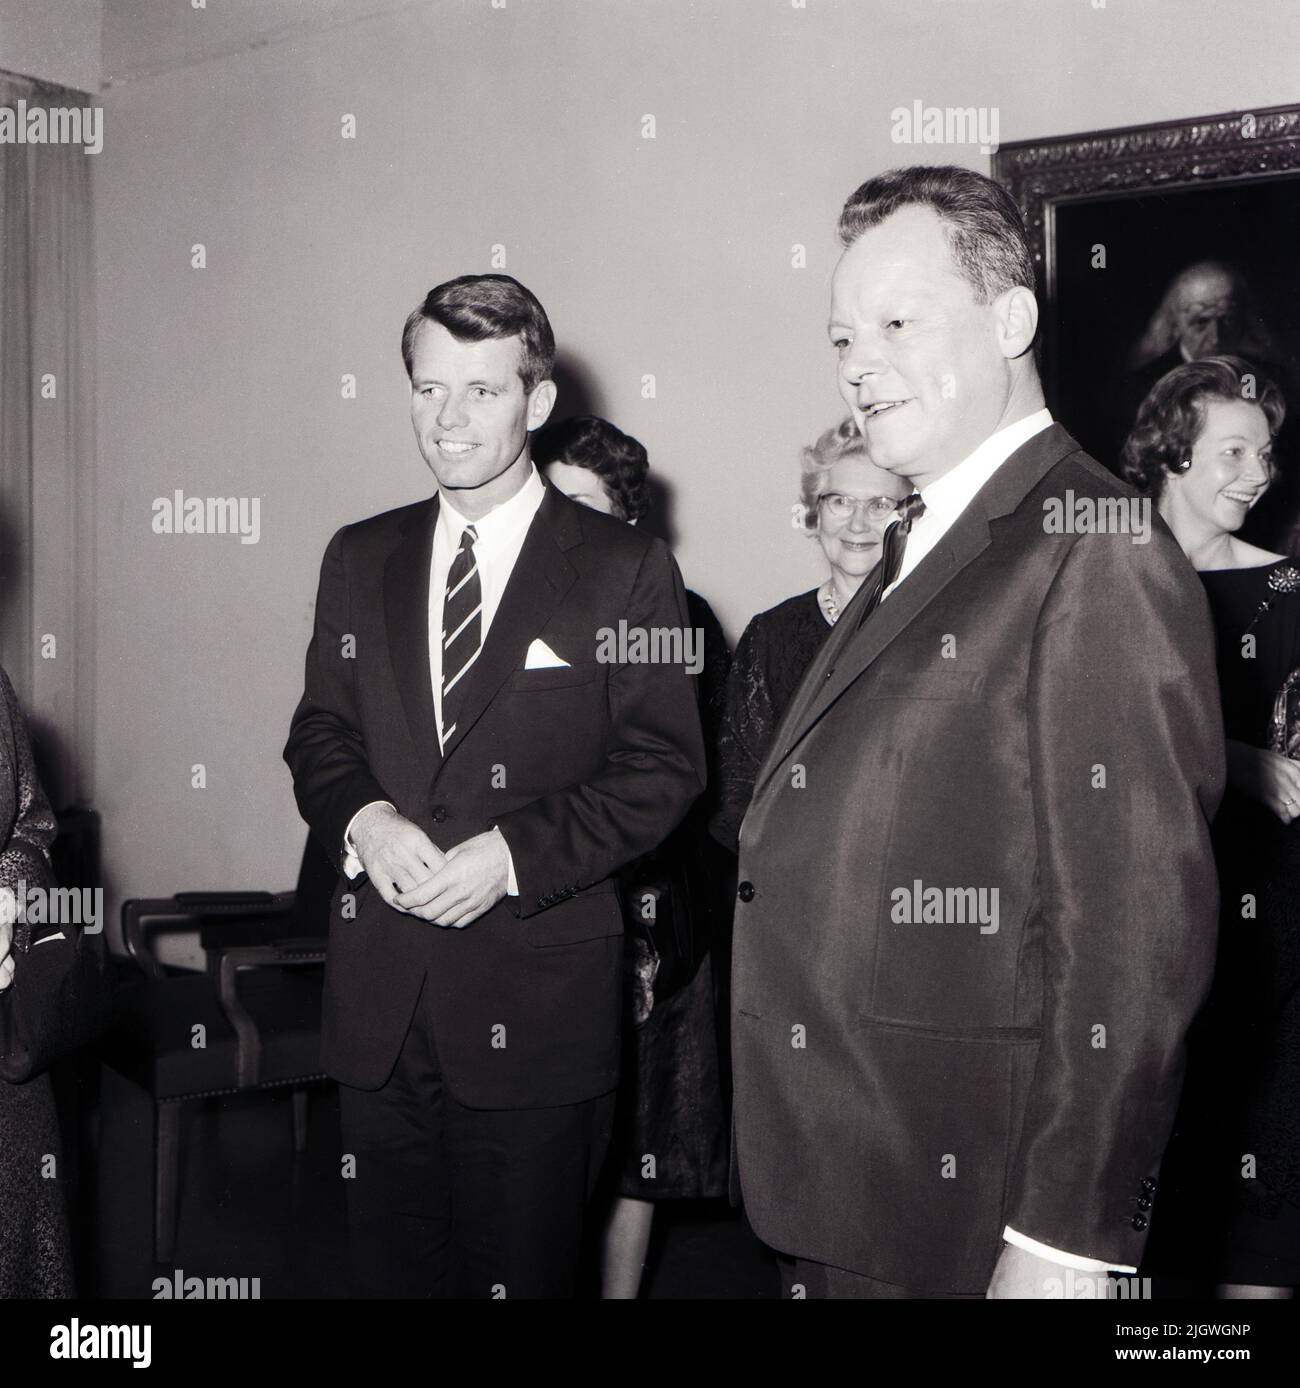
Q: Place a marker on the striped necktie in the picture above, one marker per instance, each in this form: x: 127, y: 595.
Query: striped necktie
x: 462, y: 631
x: 891, y: 553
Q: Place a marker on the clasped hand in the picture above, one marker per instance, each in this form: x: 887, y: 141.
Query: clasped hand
x: 6, y: 953
x: 415, y: 876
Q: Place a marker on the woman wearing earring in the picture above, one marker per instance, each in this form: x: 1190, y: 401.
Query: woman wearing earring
x: 847, y: 503
x: 1229, y: 1204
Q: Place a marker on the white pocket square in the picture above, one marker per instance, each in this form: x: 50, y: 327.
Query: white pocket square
x: 541, y: 657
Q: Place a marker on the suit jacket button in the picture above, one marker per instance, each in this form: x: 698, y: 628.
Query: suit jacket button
x: 1144, y: 1203
x: 439, y: 813
x: 1139, y: 1222
x: 1149, y: 1184
x: 745, y: 891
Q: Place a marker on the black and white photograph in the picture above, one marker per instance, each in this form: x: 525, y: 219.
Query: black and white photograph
x: 649, y: 650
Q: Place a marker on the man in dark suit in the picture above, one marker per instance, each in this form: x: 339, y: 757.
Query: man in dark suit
x: 479, y: 772
x: 977, y: 900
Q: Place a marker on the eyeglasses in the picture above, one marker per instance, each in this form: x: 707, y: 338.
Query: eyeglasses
x: 838, y: 506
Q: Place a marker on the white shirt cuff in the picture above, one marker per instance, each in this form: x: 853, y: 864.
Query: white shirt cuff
x: 351, y: 863
x: 512, y: 883
x: 1054, y: 1255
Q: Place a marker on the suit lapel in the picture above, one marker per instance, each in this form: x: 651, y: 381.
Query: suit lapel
x: 841, y: 661
x: 406, y: 614
x: 540, y: 578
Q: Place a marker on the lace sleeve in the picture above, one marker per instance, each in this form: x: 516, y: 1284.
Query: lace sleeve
x: 748, y: 722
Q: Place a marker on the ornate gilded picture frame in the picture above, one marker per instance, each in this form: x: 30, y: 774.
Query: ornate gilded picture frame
x: 1157, y: 242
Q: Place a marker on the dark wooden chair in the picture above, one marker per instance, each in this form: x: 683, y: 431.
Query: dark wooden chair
x: 258, y: 1005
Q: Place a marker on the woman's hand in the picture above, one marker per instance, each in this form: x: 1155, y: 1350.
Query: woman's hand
x: 1265, y: 776
x: 6, y: 952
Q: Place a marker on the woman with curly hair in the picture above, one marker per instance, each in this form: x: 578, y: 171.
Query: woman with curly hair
x: 846, y: 503
x: 1202, y: 450
x: 670, y: 1136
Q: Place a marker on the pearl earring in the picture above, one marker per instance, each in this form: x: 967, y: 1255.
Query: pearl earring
x: 1183, y: 464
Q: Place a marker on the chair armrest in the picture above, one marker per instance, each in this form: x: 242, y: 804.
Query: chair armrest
x: 236, y: 903
x: 135, y: 933
x: 139, y: 911
x: 248, y: 1061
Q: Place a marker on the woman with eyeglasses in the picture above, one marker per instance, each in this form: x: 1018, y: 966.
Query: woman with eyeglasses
x: 847, y: 503
x: 1229, y: 1203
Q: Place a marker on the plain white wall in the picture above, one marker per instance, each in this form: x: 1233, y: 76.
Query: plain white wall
x: 522, y: 127
x: 57, y: 42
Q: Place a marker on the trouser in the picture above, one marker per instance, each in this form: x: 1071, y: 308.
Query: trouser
x: 449, y: 1201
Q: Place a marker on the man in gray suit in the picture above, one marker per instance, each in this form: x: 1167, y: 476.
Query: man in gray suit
x: 977, y: 900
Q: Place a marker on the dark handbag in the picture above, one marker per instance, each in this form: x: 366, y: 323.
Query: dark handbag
x: 58, y: 1001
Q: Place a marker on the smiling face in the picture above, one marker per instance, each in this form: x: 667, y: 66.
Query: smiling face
x: 1232, y: 466
x: 925, y: 368
x: 852, y: 544
x: 472, y: 416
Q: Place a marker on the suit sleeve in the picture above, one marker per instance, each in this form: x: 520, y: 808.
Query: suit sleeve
x: 1127, y: 766
x: 332, y: 779
x: 654, y: 765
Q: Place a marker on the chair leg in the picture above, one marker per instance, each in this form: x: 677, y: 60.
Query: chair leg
x: 167, y: 1173
x: 300, y: 1102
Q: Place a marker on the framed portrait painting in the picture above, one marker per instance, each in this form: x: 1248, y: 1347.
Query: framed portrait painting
x: 1159, y: 244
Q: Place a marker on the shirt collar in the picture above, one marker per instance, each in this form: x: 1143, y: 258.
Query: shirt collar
x: 950, y: 494
x: 501, y: 522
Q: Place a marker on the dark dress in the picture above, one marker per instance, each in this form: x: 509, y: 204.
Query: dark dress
x: 777, y: 647
x: 1241, y: 1099
x: 35, y: 1256
x: 670, y: 1128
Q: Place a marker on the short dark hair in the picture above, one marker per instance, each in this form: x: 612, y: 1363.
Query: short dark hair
x: 986, y: 232
x: 618, y: 459
x: 1170, y: 419
x: 474, y: 308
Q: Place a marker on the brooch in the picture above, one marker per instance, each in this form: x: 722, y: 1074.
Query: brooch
x: 1283, y: 580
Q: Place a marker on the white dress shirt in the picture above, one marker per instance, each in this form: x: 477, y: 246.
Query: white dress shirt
x: 948, y: 496
x: 945, y: 499
x: 500, y: 538
x: 501, y: 534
